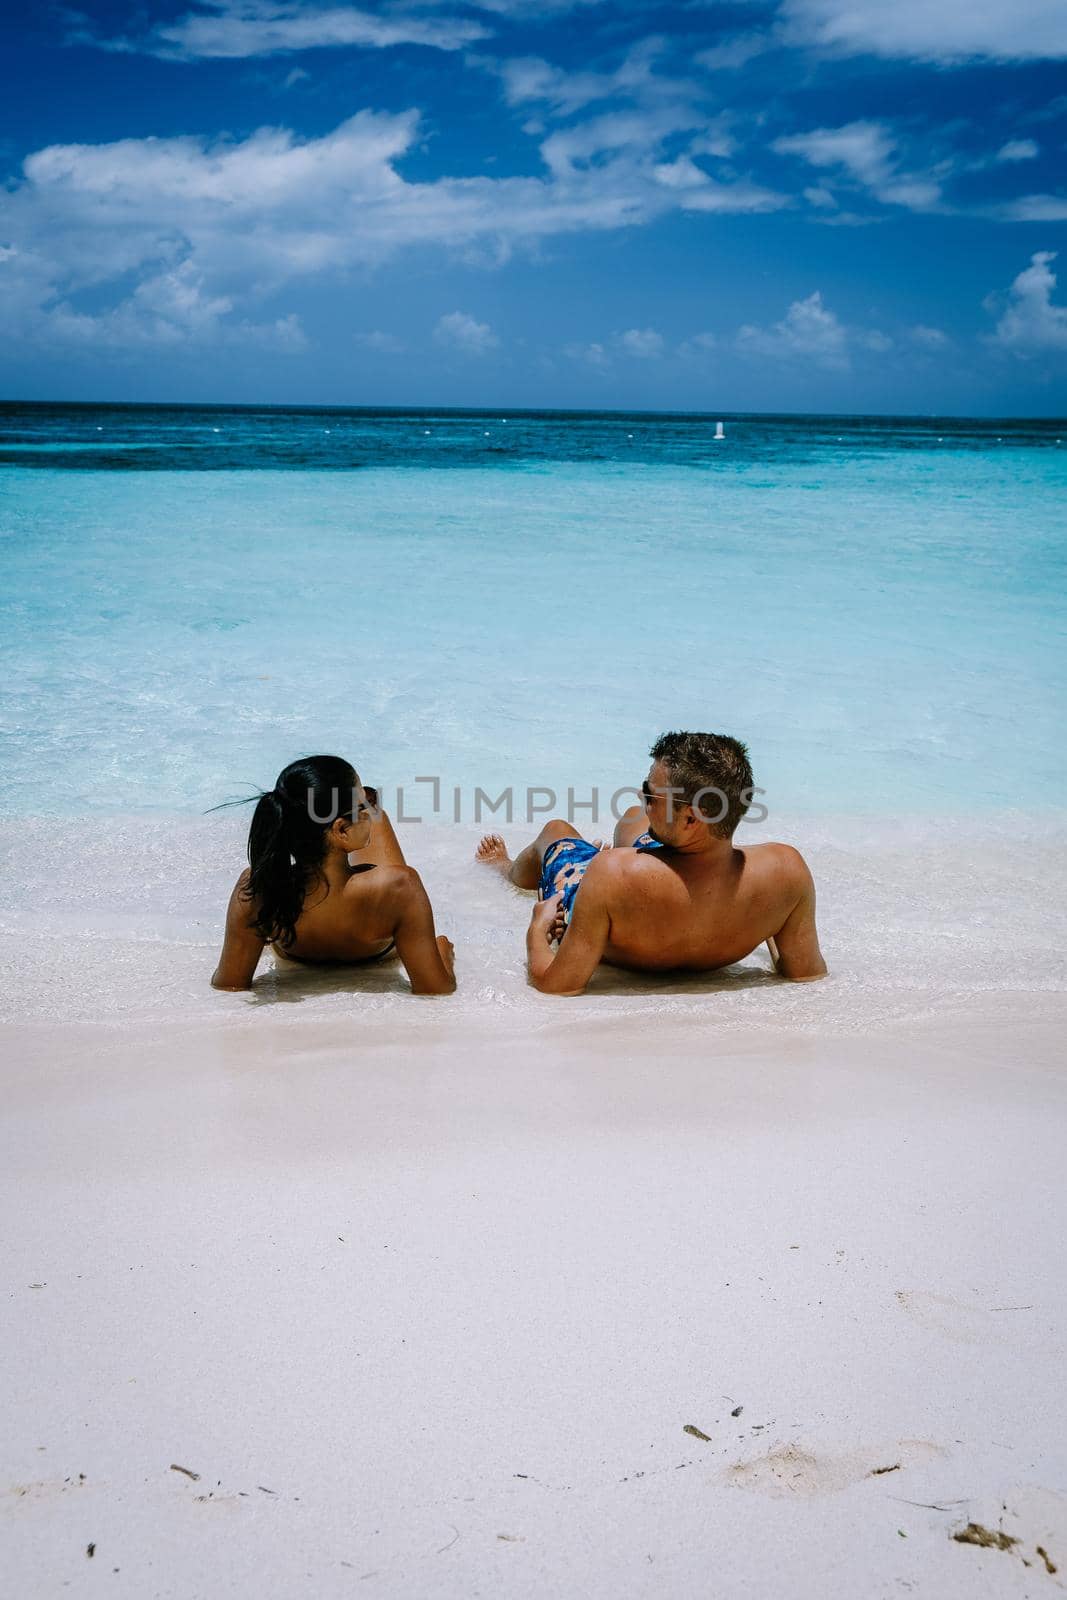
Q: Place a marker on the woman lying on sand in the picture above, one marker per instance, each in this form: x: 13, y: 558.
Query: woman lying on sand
x: 301, y: 894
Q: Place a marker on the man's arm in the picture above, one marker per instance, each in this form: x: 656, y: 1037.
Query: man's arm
x: 242, y: 945
x: 795, y: 948
x: 428, y: 959
x: 567, y: 970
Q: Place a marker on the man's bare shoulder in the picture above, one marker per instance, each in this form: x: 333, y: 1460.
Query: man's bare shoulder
x: 783, y: 860
x: 607, y: 870
x: 617, y: 871
x: 617, y: 861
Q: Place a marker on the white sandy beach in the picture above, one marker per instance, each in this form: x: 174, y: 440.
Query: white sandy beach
x: 427, y: 1293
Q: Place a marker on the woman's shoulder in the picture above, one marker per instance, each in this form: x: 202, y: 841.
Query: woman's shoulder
x: 379, y: 881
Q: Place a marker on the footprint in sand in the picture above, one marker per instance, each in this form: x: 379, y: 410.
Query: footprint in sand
x: 789, y: 1470
x: 1008, y: 1324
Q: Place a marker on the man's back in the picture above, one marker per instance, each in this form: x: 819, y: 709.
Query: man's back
x: 668, y: 909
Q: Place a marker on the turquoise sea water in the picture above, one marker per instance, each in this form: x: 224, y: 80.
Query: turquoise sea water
x: 193, y: 597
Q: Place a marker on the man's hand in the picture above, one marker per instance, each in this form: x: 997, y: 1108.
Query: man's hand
x: 546, y: 926
x: 568, y: 969
x: 448, y: 953
x: 548, y: 920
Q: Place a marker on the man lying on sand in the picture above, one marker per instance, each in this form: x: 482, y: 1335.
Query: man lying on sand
x: 302, y: 894
x: 674, y: 892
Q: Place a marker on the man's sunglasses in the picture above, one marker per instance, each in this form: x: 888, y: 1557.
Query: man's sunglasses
x: 673, y: 797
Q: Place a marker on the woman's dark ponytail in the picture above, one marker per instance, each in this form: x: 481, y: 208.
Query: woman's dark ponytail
x: 287, y: 839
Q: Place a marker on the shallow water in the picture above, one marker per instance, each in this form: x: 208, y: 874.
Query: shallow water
x: 877, y: 607
x: 926, y: 918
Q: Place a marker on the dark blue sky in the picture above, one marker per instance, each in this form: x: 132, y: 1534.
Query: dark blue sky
x: 813, y: 205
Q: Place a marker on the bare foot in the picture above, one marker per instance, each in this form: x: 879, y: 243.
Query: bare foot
x: 492, y: 852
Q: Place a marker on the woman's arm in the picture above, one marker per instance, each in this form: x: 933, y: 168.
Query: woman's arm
x: 429, y: 959
x: 242, y: 945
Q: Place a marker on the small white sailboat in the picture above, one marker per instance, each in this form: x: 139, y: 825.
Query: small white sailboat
x: 720, y: 433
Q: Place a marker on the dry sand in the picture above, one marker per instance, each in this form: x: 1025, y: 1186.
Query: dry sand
x: 430, y: 1295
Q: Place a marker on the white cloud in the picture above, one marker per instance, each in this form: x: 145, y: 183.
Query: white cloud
x: 531, y: 80
x: 385, y: 343
x: 526, y: 8
x: 930, y: 338
x: 873, y: 339
x: 680, y: 174
x: 820, y: 197
x: 809, y: 330
x: 243, y: 218
x: 943, y: 31
x: 1018, y: 150
x: 917, y: 194
x: 528, y: 79
x: 458, y: 331
x: 236, y: 29
x: 654, y: 108
x: 697, y: 346
x: 594, y: 355
x: 1036, y: 208
x: 284, y: 333
x: 265, y: 172
x: 1051, y: 111
x: 713, y: 143
x: 635, y: 138
x: 1030, y: 322
x: 170, y: 309
x: 614, y: 131
x: 644, y: 343
x: 867, y: 151
x: 735, y: 51
x: 727, y: 197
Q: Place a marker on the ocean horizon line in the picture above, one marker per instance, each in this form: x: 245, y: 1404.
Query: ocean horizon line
x: 255, y: 407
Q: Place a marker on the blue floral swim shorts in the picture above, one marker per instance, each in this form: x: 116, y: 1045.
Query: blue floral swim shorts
x: 564, y: 866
